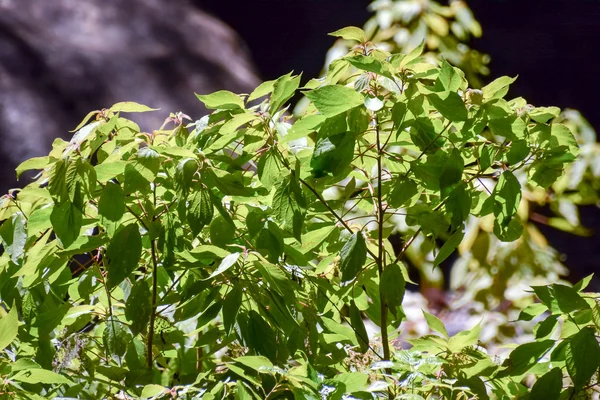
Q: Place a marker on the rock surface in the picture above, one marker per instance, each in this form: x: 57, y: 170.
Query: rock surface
x: 61, y: 59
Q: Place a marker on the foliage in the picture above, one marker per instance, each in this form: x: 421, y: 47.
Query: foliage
x: 488, y: 278
x: 247, y: 255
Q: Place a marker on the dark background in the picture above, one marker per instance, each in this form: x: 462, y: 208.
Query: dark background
x: 551, y: 44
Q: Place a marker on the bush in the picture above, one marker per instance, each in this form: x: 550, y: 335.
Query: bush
x: 247, y: 255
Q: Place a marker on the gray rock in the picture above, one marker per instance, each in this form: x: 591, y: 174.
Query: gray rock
x: 60, y: 59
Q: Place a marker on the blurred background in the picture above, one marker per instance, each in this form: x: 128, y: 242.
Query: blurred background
x: 60, y: 59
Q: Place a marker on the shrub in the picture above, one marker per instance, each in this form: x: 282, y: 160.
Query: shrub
x: 246, y: 255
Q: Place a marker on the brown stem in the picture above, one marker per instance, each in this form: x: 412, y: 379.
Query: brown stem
x: 381, y: 250
x: 154, y: 305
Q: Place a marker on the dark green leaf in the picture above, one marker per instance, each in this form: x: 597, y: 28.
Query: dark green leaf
x: 519, y: 150
x: 269, y: 169
x: 332, y: 154
x: 184, y: 173
x: 111, y: 205
x: 404, y: 192
x: 139, y: 306
x: 288, y: 206
x: 450, y: 105
x: 270, y: 242
x: 222, y: 232
x: 123, y: 254
x: 393, y: 286
x: 546, y: 327
x: 261, y: 337
x: 359, y: 328
x: 231, y: 307
x: 526, y: 356
x: 548, y: 387
x: 506, y: 198
x: 66, y: 223
x: 582, y: 356
x: 200, y: 210
x: 452, y: 170
x: 449, y: 246
x: 115, y: 338
x: 353, y: 257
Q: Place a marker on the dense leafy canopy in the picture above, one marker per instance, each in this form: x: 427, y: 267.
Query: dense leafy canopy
x: 248, y: 254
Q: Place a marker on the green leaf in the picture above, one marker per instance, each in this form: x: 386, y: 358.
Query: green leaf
x: 452, y: 170
x: 123, y: 254
x: 393, y: 286
x: 200, y: 210
x: 370, y: 64
x: 449, y: 246
x: 13, y: 234
x: 511, y: 127
x: 261, y: 337
x: 350, y: 33
x: 526, y: 356
x: 358, y: 326
x: 67, y: 221
x: 270, y: 242
x: 568, y: 299
x: 111, y: 205
x: 544, y: 328
x: 435, y: 324
x: 405, y: 192
x: 132, y: 107
x: 353, y: 257
x: 269, y: 169
x: 288, y: 207
x: 142, y: 170
x: 225, y: 264
x: 448, y: 78
x: 138, y: 307
x: 313, y: 239
x: 532, y: 311
x: 413, y: 55
x: 43, y: 376
x: 519, y: 150
x: 498, y: 88
x: 582, y: 356
x: 544, y: 114
x: 36, y: 163
x: 222, y: 232
x: 115, y: 338
x: 464, y: 339
x: 506, y: 198
x: 231, y: 307
x: 333, y: 154
x: 284, y: 89
x: 262, y: 90
x: 458, y: 205
x: 450, y: 105
x: 222, y: 100
x: 9, y: 327
x: 184, y: 173
x: 332, y: 100
x: 109, y: 170
x: 548, y: 387
x: 152, y: 391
